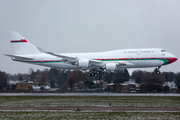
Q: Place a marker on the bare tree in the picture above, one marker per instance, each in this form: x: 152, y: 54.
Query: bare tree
x: 80, y: 85
x: 178, y: 80
x: 78, y: 77
x: 71, y: 81
x: 139, y: 75
x: 152, y: 82
x: 3, y: 80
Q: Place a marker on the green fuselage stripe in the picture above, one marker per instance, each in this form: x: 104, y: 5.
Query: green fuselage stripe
x: 164, y: 60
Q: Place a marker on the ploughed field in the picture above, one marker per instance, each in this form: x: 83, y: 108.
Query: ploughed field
x: 30, y: 102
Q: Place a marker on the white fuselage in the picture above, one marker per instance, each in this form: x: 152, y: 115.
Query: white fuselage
x: 99, y: 61
x: 136, y: 58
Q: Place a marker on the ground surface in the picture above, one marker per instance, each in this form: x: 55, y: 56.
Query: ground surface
x: 94, y: 108
x: 89, y: 94
x: 87, y: 115
x: 103, y: 101
x: 91, y: 106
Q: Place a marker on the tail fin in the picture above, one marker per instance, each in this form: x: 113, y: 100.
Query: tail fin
x: 21, y: 45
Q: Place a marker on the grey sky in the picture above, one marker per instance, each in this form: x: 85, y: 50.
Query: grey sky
x: 90, y: 25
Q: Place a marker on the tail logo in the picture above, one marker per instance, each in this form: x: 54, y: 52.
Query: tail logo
x: 19, y: 41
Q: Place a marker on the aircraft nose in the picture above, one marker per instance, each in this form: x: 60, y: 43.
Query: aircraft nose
x: 174, y: 59
x: 171, y: 60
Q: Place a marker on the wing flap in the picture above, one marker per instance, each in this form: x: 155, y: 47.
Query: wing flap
x: 96, y: 63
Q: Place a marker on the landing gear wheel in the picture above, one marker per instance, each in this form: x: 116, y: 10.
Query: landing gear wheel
x: 97, y: 72
x: 89, y: 74
x: 92, y: 74
x: 96, y: 75
x: 158, y: 72
x: 100, y: 76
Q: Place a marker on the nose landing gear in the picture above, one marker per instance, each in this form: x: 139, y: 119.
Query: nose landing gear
x: 158, y: 70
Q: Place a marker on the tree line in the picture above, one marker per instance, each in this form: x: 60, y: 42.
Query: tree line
x: 148, y: 81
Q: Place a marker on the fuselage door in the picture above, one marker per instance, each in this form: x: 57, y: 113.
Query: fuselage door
x: 138, y: 51
x: 100, y: 58
x: 41, y: 61
x: 130, y: 57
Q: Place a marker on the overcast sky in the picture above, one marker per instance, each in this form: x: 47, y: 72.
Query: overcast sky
x: 69, y: 26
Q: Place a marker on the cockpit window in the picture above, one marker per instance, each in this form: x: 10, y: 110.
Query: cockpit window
x: 163, y: 51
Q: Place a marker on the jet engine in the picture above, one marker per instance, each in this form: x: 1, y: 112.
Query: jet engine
x: 83, y: 63
x: 111, y: 66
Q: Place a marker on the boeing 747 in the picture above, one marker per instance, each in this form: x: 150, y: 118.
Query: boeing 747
x: 95, y: 63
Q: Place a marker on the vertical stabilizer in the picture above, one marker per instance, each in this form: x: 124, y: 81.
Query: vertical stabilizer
x: 21, y: 45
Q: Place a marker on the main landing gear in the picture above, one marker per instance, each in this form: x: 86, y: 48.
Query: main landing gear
x: 97, y: 73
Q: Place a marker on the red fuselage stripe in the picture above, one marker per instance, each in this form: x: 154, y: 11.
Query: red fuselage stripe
x: 22, y: 40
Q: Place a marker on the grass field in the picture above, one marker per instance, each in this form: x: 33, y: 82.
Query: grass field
x: 133, y: 101
x: 55, y: 115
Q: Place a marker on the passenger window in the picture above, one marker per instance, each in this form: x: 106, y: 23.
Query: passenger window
x: 163, y: 51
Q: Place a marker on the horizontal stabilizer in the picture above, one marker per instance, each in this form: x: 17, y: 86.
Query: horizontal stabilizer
x: 19, y: 57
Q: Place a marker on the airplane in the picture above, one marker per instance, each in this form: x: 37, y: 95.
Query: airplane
x: 94, y: 63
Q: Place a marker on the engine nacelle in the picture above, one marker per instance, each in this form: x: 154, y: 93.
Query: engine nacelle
x: 111, y: 66
x: 83, y: 63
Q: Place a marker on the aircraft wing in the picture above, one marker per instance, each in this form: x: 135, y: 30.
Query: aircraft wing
x: 93, y: 63
x: 19, y: 57
x: 73, y: 60
x: 64, y: 57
